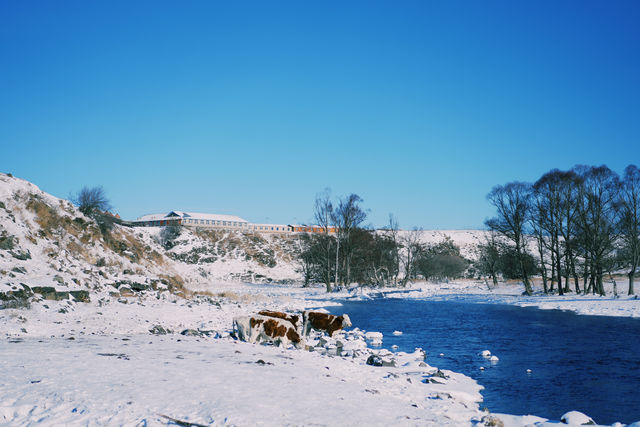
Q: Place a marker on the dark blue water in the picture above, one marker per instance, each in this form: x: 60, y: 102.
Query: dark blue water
x: 586, y: 363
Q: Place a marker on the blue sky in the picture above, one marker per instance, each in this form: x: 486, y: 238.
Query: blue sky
x: 254, y: 108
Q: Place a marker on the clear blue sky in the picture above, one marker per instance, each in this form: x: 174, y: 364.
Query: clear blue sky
x: 253, y: 108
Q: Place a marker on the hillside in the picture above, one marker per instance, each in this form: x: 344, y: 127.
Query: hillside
x: 47, y: 242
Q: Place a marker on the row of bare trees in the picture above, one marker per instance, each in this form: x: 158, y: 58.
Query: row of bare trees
x: 346, y: 251
x: 584, y: 223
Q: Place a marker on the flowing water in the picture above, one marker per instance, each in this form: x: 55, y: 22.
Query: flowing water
x: 585, y: 363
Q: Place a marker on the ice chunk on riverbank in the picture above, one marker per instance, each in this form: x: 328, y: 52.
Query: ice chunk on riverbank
x: 374, y: 338
x: 373, y: 335
x: 575, y: 418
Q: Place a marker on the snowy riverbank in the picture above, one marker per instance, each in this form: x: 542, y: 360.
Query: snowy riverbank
x: 98, y: 363
x: 609, y: 305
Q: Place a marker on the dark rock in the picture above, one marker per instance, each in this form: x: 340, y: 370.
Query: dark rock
x: 440, y: 374
x: 21, y: 270
x: 46, y: 291
x: 61, y: 295
x: 134, y: 286
x: 126, y: 291
x: 50, y: 293
x: 6, y: 242
x: 21, y: 255
x: 191, y: 333
x: 81, y: 296
x: 58, y: 279
x: 374, y: 360
x: 19, y: 294
x: 139, y: 286
x: 159, y: 330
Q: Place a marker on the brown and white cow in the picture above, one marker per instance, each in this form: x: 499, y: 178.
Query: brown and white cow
x: 257, y: 328
x: 324, y: 322
x: 280, y: 315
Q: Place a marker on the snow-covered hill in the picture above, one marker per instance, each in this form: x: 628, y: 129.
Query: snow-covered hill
x: 466, y: 240
x: 47, y: 242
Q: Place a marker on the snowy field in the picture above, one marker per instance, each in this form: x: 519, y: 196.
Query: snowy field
x: 98, y: 364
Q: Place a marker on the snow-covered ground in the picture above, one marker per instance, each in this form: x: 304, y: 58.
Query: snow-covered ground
x: 99, y: 363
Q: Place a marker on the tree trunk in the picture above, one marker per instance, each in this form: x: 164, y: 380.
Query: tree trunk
x: 600, y: 283
x: 525, y: 277
x: 328, y: 275
x: 592, y: 281
x: 559, y: 266
x: 553, y: 269
x: 576, y: 281
x: 631, y: 275
x: 586, y: 275
x: 337, y: 263
x: 567, y: 287
x: 543, y: 266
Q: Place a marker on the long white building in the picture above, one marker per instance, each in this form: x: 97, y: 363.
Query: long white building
x: 206, y: 220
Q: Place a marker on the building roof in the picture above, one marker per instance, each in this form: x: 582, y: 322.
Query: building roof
x: 190, y: 215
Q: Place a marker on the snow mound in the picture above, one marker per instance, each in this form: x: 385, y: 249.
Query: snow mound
x: 575, y: 418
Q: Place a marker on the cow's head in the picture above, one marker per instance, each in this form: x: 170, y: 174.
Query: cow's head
x: 346, y: 322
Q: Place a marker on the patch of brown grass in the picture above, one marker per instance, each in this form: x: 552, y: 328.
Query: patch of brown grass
x: 175, y: 284
x: 78, y: 251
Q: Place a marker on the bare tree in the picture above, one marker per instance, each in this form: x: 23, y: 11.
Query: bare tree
x: 307, y: 256
x: 392, y: 231
x: 323, y: 214
x: 169, y: 235
x: 547, y: 200
x: 554, y: 217
x: 512, y: 202
x: 570, y: 195
x: 489, y: 257
x: 596, y: 220
x: 347, y: 217
x: 629, y: 208
x: 541, y: 241
x: 411, y: 242
x: 91, y: 200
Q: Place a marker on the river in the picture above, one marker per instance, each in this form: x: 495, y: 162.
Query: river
x: 585, y: 363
